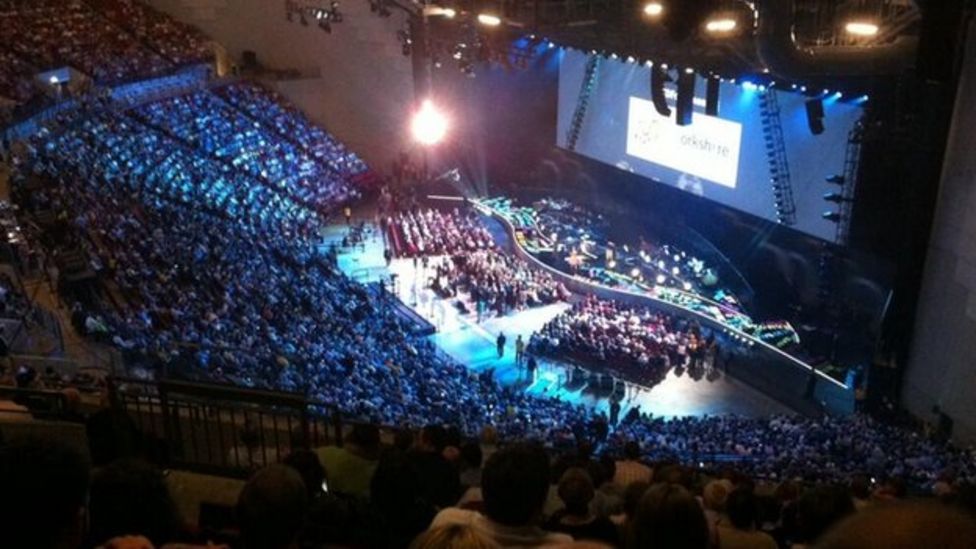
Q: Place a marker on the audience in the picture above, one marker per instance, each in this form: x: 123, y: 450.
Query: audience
x: 576, y: 518
x: 271, y: 509
x: 45, y: 495
x: 351, y: 467
x: 130, y: 497
x: 514, y: 485
x: 668, y: 516
x: 740, y: 531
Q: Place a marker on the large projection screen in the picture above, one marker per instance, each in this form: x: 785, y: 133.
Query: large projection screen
x: 720, y: 158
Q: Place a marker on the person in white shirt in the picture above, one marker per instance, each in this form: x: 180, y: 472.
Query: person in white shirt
x: 514, y: 485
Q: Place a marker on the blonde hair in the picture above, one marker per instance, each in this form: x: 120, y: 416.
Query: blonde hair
x: 453, y: 536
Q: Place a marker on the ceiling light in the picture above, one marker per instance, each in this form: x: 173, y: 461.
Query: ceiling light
x: 489, y: 20
x: 724, y: 24
x: 861, y: 28
x: 653, y: 9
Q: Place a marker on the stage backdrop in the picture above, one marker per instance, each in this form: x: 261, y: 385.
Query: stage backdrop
x: 719, y: 158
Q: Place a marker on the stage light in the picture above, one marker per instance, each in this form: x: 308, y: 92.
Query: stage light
x: 661, y: 278
x: 630, y: 59
x: 489, y: 20
x: 635, y: 272
x: 834, y: 197
x: 653, y: 9
x: 861, y: 28
x: 722, y: 25
x: 435, y: 11
x: 803, y: 89
x: 54, y: 79
x: 687, y: 286
x: 429, y: 125
x: 831, y: 216
x: 836, y: 180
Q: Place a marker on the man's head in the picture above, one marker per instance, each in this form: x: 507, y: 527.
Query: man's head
x: 45, y: 485
x: 902, y: 525
x: 433, y: 438
x: 115, y: 512
x: 669, y: 516
x: 515, y: 483
x: 632, y: 450
x: 271, y: 508
x: 576, y: 491
x: 742, y: 508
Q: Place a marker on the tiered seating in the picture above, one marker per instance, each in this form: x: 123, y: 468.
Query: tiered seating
x: 15, y: 76
x: 206, y: 122
x: 274, y: 111
x: 176, y: 41
x: 120, y: 151
x: 51, y: 33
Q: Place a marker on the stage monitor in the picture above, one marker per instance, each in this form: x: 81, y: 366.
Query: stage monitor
x: 722, y: 158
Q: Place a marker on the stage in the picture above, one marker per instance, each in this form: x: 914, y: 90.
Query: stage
x: 473, y: 344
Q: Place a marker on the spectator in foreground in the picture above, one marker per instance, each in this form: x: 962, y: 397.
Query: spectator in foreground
x: 899, y: 525
x: 271, y: 509
x: 455, y: 536
x: 819, y: 509
x: 129, y: 497
x: 351, y: 467
x: 45, y: 486
x: 514, y: 484
x: 668, y: 516
x: 630, y: 470
x: 575, y: 518
x: 439, y: 479
x: 740, y: 530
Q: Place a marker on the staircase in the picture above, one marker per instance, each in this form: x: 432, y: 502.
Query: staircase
x: 582, y: 103
x: 779, y: 166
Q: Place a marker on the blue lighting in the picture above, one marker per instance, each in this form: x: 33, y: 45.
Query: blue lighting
x: 749, y: 86
x: 861, y: 100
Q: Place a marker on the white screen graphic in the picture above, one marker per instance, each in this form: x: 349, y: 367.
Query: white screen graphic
x: 708, y: 148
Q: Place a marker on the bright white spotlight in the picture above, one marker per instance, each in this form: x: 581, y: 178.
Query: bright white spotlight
x: 661, y: 278
x: 449, y: 13
x: 724, y: 24
x: 861, y: 28
x: 653, y: 9
x: 489, y: 20
x: 429, y: 125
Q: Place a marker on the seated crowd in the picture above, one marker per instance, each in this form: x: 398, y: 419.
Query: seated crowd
x: 496, y: 281
x: 275, y: 112
x: 441, y: 491
x: 211, y: 125
x: 127, y: 40
x: 635, y: 341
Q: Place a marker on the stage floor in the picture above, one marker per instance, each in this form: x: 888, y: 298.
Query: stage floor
x: 473, y: 344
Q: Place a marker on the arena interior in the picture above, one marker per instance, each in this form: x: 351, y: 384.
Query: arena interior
x: 303, y: 274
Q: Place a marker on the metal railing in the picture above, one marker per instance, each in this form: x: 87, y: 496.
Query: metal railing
x: 222, y: 429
